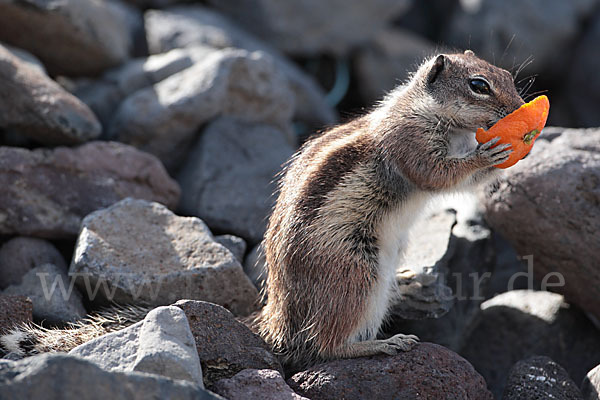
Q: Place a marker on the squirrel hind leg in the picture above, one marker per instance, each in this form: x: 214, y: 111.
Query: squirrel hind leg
x: 390, y: 346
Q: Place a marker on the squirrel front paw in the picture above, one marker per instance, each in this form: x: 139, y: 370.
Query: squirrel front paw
x: 488, y: 156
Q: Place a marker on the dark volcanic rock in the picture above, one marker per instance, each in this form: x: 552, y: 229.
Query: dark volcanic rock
x: 34, y: 105
x: 264, y: 384
x: 21, y: 254
x: 48, y: 192
x: 186, y: 26
x: 520, y: 324
x: 142, y: 252
x: 387, y: 61
x: 54, y: 298
x: 104, y: 95
x: 427, y: 371
x: 459, y: 246
x: 163, y: 119
x: 582, y: 85
x: 71, y: 37
x: 507, y: 32
x: 549, y: 206
x: 229, y: 177
x: 306, y: 27
x: 63, y: 377
x: 540, y: 378
x: 225, y: 346
x: 14, y: 310
x: 236, y: 245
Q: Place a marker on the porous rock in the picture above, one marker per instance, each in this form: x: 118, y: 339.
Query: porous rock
x: 522, y: 323
x: 306, y: 27
x: 14, y: 310
x: 427, y: 371
x: 264, y: 384
x: 539, y: 378
x: 34, y: 105
x: 234, y: 193
x: 137, y: 251
x: 48, y: 192
x: 21, y: 254
x: 549, y: 207
x: 54, y: 297
x: 163, y: 119
x: 193, y: 25
x: 71, y: 37
x: 64, y: 377
x: 225, y: 346
x: 161, y: 344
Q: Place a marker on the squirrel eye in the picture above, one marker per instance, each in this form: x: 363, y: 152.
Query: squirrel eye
x: 480, y: 86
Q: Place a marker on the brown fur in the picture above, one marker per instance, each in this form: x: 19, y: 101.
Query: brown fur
x: 324, y: 242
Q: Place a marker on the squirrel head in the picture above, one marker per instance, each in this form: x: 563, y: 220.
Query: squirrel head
x: 465, y: 91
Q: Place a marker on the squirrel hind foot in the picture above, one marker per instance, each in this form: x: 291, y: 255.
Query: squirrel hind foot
x: 391, y: 346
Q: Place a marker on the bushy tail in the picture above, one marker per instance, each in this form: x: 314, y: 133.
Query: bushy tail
x: 29, y: 339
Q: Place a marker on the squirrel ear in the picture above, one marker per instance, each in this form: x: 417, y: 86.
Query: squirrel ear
x: 469, y: 53
x: 438, y: 66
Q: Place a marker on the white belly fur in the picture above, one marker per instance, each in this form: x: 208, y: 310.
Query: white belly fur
x: 393, y: 237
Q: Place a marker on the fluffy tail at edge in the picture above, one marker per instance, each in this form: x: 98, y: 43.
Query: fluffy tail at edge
x: 29, y: 339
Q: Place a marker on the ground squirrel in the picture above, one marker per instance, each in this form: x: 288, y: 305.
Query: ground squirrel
x: 346, y: 202
x: 349, y: 196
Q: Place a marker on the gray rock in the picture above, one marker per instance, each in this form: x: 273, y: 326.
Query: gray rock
x: 34, y: 105
x: 256, y: 268
x: 520, y: 324
x: 236, y: 245
x: 234, y: 193
x: 264, y: 384
x: 225, y: 346
x: 539, y: 378
x: 54, y: 297
x: 590, y: 388
x: 387, y: 61
x: 161, y: 344
x: 547, y: 207
x: 26, y: 57
x: 179, y: 259
x: 71, y: 37
x: 104, y: 95
x: 14, y: 310
x: 21, y: 254
x: 62, y: 377
x: 582, y: 86
x: 48, y: 192
x: 422, y: 292
x: 163, y: 119
x: 185, y: 26
x: 508, y: 32
x: 428, y: 371
x: 307, y: 28
x: 461, y: 247
x: 156, y: 3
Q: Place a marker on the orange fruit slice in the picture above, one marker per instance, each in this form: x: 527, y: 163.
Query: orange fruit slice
x: 519, y: 129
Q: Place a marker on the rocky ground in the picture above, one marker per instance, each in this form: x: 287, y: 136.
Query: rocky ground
x: 139, y: 140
